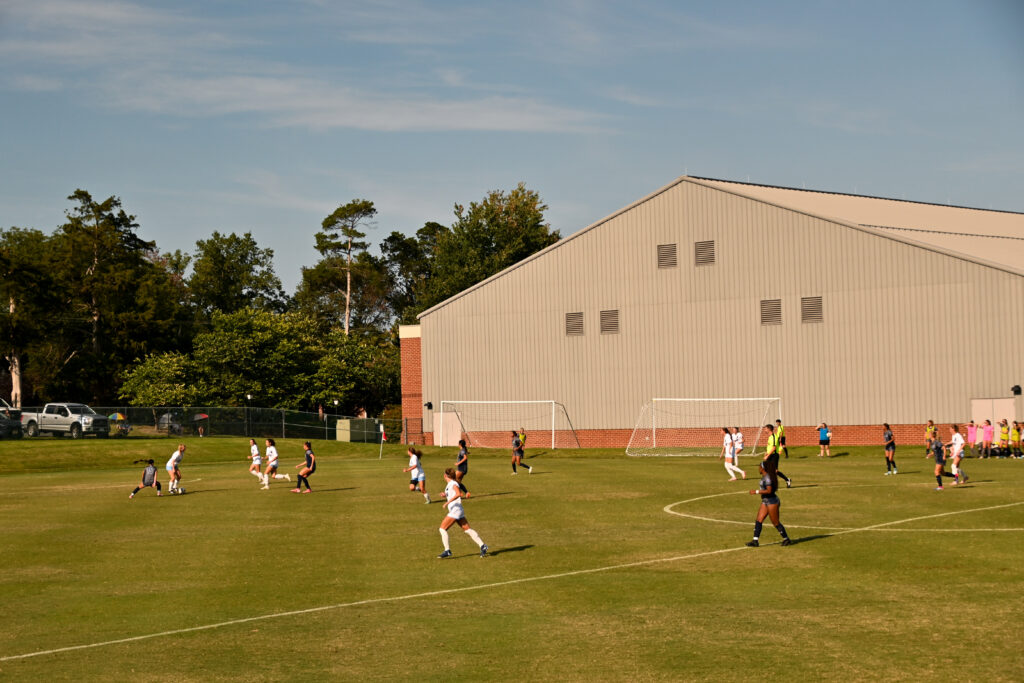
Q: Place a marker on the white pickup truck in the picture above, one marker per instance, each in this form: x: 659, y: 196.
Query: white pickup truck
x: 75, y: 419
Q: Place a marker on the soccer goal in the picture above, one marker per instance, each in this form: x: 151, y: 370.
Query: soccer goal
x: 693, y: 426
x: 489, y: 424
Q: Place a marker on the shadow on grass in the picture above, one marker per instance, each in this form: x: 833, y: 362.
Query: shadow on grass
x: 808, y: 539
x: 348, y: 488
x: 514, y: 549
x: 474, y: 496
x: 192, y: 492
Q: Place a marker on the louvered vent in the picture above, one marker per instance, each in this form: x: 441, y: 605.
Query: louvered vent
x: 704, y: 253
x: 810, y: 309
x: 573, y: 324
x: 667, y: 256
x: 609, y: 322
x: 771, y: 312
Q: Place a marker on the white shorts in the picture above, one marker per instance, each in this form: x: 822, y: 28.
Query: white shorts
x: 455, y: 511
x: 257, y: 461
x: 422, y: 476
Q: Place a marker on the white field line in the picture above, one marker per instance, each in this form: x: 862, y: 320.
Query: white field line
x: 449, y: 591
x: 845, y: 530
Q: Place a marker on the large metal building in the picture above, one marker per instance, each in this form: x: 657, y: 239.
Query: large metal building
x: 854, y: 310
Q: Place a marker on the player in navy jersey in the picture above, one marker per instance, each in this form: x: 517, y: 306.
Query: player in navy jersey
x: 770, y: 504
x: 148, y: 478
x: 308, y: 469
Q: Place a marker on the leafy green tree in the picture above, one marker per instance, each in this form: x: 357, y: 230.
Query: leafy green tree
x: 165, y: 379
x: 29, y: 301
x: 489, y: 236
x: 409, y: 265
x: 341, y: 239
x: 231, y: 273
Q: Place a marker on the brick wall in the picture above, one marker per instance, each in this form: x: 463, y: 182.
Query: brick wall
x: 412, y: 381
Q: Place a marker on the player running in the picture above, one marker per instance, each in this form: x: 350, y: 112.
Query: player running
x: 148, y: 478
x: 174, y: 469
x: 453, y: 502
x: 956, y: 452
x: 770, y: 504
x: 257, y: 460
x: 417, y: 478
x: 272, y: 465
x: 462, y: 467
x: 771, y: 455
x: 729, y: 453
x: 308, y: 469
x: 517, y: 453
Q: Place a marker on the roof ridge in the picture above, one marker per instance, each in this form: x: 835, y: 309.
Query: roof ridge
x: 861, y: 196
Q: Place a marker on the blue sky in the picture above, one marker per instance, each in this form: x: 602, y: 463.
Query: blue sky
x: 265, y: 116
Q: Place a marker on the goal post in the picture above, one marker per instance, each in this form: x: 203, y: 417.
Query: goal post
x: 693, y: 426
x: 489, y: 424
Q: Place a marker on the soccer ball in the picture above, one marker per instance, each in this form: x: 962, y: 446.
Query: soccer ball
x: 182, y: 491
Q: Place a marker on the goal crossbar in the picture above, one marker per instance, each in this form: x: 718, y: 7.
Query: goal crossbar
x: 488, y: 424
x: 693, y: 426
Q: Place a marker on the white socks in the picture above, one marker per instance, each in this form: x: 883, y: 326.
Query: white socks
x: 475, y: 536
x: 733, y: 470
x: 444, y: 538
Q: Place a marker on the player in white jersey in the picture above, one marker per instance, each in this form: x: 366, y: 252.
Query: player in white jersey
x: 729, y: 453
x: 257, y: 460
x: 737, y: 443
x: 417, y: 477
x: 174, y: 469
x: 453, y: 502
x: 272, y: 465
x: 956, y: 452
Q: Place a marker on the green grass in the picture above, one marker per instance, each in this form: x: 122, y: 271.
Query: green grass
x: 590, y: 578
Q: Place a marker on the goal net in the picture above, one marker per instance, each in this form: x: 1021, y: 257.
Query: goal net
x: 489, y: 424
x: 693, y: 426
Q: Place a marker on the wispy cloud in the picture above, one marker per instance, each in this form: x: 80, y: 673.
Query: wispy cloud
x: 124, y: 55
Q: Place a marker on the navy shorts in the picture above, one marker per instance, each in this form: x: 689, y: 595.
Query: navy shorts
x: 770, y: 500
x: 824, y: 442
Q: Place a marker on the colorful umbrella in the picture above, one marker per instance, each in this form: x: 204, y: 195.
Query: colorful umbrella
x: 116, y: 417
x: 199, y: 416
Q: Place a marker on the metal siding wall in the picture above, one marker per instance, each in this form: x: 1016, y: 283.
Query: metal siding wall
x: 892, y: 346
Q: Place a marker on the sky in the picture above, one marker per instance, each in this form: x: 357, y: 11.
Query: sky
x: 256, y: 116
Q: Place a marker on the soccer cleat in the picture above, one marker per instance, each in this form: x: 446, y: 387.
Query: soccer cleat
x: 895, y: 471
x: 514, y: 473
x: 446, y: 553
x: 753, y: 544
x: 529, y: 470
x: 965, y: 478
x: 733, y: 479
x: 265, y: 487
x: 938, y: 488
x: 483, y: 550
x: 786, y: 541
x: 296, y: 490
x: 131, y: 495
x: 308, y: 491
x: 789, y: 483
x: 888, y: 473
x: 287, y: 477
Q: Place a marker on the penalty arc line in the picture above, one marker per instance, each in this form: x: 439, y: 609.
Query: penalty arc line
x: 449, y: 591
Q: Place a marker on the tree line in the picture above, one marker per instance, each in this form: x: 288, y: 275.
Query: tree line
x: 94, y: 313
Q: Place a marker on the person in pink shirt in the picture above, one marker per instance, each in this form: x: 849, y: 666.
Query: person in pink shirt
x: 987, y: 432
x: 972, y: 432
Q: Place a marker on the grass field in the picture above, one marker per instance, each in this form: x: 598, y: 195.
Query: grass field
x: 603, y: 567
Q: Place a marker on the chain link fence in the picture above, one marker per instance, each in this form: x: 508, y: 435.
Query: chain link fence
x: 215, y: 421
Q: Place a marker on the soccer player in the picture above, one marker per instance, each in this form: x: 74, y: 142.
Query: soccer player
x: 272, y: 465
x: 417, y: 478
x: 308, y: 469
x: 174, y: 469
x: 939, y: 452
x: 148, y: 478
x: 517, y: 453
x: 769, y: 504
x: 780, y: 431
x: 931, y: 432
x: 257, y: 460
x: 771, y: 456
x: 890, y: 450
x: 1004, y: 438
x: 956, y: 452
x: 987, y: 432
x: 462, y: 466
x: 453, y: 502
x: 737, y: 443
x: 729, y: 453
x: 824, y: 440
x: 1015, y: 435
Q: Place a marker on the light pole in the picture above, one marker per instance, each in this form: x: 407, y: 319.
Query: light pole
x: 248, y: 398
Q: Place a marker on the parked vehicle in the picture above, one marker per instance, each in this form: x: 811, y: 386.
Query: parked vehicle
x: 74, y: 419
x: 10, y: 420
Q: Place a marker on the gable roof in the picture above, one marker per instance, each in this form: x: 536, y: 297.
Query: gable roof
x: 993, y: 236
x: 984, y: 236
